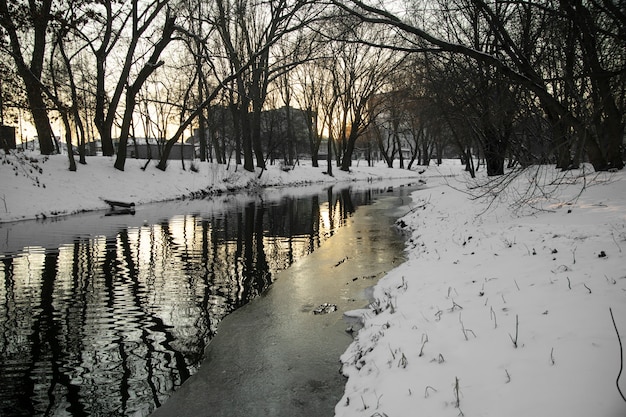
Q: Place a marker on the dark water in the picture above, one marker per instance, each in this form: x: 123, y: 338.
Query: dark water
x: 106, y: 316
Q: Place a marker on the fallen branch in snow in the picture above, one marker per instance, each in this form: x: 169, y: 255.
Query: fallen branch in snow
x: 621, y: 356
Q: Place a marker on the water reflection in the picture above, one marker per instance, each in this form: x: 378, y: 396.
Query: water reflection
x: 111, y: 324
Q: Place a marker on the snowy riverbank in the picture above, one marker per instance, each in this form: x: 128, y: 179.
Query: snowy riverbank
x: 499, y: 313
x: 499, y: 310
x: 38, y: 187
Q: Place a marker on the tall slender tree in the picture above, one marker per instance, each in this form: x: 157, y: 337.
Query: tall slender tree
x: 151, y: 65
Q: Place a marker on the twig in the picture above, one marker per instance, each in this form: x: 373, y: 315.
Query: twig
x: 423, y: 343
x: 393, y: 355
x: 569, y: 284
x: 426, y: 391
x: 495, y: 320
x: 421, y: 206
x: 464, y: 330
x: 456, y: 392
x: 621, y: 356
x: 552, y: 356
x: 463, y: 327
x: 403, y: 362
x: 617, y: 244
x: 516, y: 331
x: 588, y: 289
x: 365, y: 406
x: 378, y: 400
x: 455, y: 305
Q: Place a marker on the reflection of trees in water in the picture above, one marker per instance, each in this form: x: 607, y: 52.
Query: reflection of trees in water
x: 111, y: 325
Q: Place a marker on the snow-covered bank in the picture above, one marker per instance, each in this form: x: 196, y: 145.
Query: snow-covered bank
x: 34, y: 186
x: 498, y: 314
x: 495, y: 313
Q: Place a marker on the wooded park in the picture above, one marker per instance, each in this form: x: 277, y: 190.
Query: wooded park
x: 511, y: 83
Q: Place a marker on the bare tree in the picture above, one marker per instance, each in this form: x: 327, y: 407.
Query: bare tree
x: 153, y: 62
x: 359, y: 72
x: 30, y: 20
x: 519, y: 55
x: 309, y: 85
x: 248, y: 31
x: 11, y: 92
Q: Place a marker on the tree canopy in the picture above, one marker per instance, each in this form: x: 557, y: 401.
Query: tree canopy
x: 507, y: 82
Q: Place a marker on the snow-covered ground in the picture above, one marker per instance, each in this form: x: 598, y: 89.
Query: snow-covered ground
x: 500, y: 310
x: 33, y: 186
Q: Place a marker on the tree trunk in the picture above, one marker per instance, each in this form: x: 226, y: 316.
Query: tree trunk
x: 41, y: 121
x: 314, y: 143
x: 257, y: 146
x: 494, y: 149
x: 202, y: 126
x: 120, y: 160
x: 346, y: 160
x: 329, y: 156
x: 68, y: 140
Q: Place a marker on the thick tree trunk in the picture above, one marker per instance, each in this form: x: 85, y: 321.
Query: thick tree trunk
x: 40, y: 120
x: 346, y: 160
x: 246, y: 140
x: 495, y: 152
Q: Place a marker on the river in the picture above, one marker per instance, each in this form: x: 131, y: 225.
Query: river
x: 109, y: 315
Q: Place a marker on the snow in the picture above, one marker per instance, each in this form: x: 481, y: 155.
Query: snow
x: 40, y: 187
x: 501, y: 309
x: 443, y: 344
